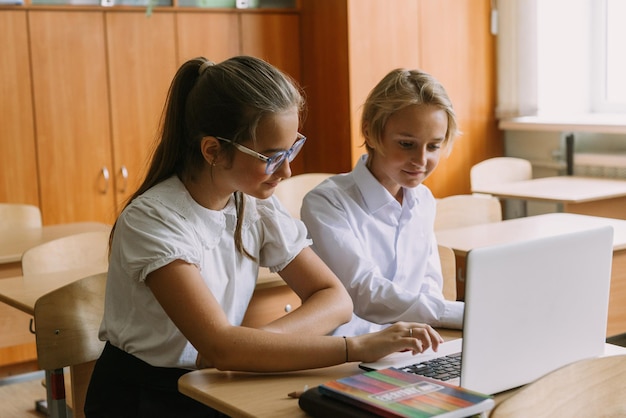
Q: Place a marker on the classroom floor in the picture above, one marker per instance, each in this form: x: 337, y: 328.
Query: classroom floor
x: 19, y: 393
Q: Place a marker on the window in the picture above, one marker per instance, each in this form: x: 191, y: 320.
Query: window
x: 561, y: 57
x: 611, y: 63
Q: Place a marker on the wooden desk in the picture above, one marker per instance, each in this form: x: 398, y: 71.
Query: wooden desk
x: 462, y: 240
x: 22, y: 292
x: 14, y: 241
x: 17, y: 343
x: 240, y: 394
x: 248, y: 395
x: 583, y: 195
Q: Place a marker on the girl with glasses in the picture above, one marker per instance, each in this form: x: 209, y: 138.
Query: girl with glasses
x: 185, y: 252
x: 374, y: 226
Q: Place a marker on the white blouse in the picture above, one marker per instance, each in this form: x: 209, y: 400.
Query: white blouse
x: 165, y: 224
x: 384, y: 252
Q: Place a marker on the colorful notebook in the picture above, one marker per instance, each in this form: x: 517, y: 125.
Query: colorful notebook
x: 395, y: 393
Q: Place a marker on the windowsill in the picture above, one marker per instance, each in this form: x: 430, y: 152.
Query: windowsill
x: 599, y: 123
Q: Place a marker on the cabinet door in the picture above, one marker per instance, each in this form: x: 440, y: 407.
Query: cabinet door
x: 18, y: 158
x: 212, y: 35
x: 274, y: 37
x: 72, y: 115
x: 142, y: 62
x: 470, y: 83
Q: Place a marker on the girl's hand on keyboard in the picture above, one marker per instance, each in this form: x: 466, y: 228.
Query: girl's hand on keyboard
x: 401, y: 336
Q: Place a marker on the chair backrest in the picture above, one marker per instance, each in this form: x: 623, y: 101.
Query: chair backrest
x: 18, y: 214
x: 87, y: 249
x: 587, y: 388
x: 67, y: 322
x: 291, y: 191
x: 448, y: 270
x: 499, y: 170
x: 467, y: 209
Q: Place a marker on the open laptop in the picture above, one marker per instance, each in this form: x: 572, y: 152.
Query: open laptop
x: 531, y: 307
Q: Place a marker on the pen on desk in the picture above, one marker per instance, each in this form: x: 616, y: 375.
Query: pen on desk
x: 298, y: 393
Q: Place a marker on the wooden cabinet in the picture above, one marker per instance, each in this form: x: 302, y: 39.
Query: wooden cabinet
x: 142, y: 61
x: 78, y: 143
x: 18, y: 154
x: 100, y: 81
x: 196, y: 35
x: 349, y: 45
x: 18, y: 161
x: 72, y: 115
x: 274, y: 37
x: 462, y: 57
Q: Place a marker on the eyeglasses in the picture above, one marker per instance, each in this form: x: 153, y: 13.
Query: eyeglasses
x: 276, y: 160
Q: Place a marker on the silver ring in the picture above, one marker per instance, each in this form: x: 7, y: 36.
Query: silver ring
x: 410, y: 332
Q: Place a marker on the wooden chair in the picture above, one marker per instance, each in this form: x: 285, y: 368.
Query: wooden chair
x: 24, y: 215
x: 588, y: 388
x: 67, y: 321
x: 78, y: 251
x: 448, y: 270
x: 467, y: 209
x: 291, y: 191
x: 87, y: 249
x: 500, y: 170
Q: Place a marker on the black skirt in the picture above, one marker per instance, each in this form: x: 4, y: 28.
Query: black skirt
x: 124, y: 386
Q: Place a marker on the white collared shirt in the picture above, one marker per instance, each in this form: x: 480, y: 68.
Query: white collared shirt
x: 384, y: 252
x: 165, y: 224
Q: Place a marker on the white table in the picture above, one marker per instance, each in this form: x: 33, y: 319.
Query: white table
x: 463, y: 239
x: 583, y: 195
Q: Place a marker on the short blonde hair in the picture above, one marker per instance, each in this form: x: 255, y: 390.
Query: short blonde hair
x: 398, y: 89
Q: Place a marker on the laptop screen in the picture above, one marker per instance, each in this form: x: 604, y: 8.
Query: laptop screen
x: 531, y: 306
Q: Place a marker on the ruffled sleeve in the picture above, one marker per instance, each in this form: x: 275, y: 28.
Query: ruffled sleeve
x: 150, y: 236
x: 283, y: 236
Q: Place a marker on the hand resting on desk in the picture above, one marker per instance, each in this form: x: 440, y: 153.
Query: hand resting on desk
x: 400, y: 337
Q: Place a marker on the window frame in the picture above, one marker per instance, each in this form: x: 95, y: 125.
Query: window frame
x: 600, y: 102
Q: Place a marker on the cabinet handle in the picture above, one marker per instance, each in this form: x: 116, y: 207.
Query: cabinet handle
x: 105, y: 175
x: 124, y: 173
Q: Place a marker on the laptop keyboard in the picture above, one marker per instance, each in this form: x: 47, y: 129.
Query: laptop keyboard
x: 442, y: 368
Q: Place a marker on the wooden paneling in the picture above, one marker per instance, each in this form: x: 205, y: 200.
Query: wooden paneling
x: 16, y: 341
x: 274, y: 37
x: 214, y: 36
x: 15, y: 353
x: 18, y: 158
x: 325, y: 80
x: 71, y: 115
x: 462, y: 58
x: 142, y: 62
x: 381, y: 38
x: 362, y: 40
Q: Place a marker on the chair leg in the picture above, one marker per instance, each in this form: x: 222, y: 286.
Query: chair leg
x: 55, y: 393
